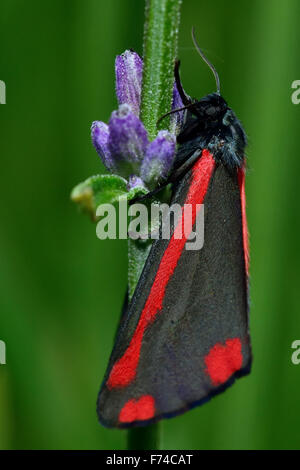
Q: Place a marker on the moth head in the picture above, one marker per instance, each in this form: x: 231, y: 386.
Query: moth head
x: 210, y: 108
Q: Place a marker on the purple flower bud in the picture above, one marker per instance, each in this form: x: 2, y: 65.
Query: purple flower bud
x: 134, y: 182
x: 176, y: 119
x: 159, y: 158
x: 127, y: 140
x: 129, y: 69
x: 123, y: 145
x: 100, y: 134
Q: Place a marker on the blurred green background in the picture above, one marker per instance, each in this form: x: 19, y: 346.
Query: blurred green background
x: 62, y: 288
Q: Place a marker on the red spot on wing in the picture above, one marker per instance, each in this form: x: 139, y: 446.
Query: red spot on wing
x: 223, y: 360
x: 241, y: 180
x: 124, y: 370
x: 138, y: 410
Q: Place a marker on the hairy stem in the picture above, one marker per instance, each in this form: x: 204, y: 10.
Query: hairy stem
x: 160, y: 48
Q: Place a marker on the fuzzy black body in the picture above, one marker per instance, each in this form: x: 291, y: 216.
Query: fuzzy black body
x: 185, y: 335
x: 212, y: 125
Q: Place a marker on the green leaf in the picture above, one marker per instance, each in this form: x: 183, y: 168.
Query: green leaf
x: 103, y: 189
x: 99, y: 189
x: 136, y: 192
x: 138, y: 251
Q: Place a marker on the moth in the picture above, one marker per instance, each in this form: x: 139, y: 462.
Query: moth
x: 184, y: 337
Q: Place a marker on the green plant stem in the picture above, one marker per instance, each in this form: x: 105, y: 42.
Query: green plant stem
x: 160, y: 48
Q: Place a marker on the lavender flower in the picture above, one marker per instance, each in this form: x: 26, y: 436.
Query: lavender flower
x: 123, y: 144
x: 176, y: 118
x: 100, y: 135
x: 134, y: 182
x: 158, y: 158
x: 127, y: 140
x: 129, y: 71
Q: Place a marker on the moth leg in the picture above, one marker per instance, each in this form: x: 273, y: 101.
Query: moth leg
x: 186, y: 166
x: 150, y: 194
x: 173, y: 177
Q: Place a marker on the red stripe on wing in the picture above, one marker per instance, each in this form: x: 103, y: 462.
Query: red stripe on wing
x: 124, y: 370
x: 241, y: 180
x: 138, y: 410
x: 223, y: 361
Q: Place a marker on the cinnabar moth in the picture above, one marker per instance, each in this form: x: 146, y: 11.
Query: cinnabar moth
x: 184, y: 336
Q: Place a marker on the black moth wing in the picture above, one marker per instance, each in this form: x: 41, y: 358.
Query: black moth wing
x: 204, y: 317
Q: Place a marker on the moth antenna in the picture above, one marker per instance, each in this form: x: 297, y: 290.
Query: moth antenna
x: 212, y: 68
x: 175, y: 111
